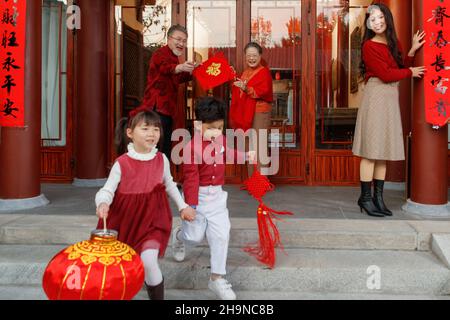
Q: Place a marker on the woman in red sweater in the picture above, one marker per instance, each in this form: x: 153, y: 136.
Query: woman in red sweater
x: 378, y: 132
x: 251, y: 102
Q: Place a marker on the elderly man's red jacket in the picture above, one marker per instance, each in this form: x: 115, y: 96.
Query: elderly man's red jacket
x: 162, y: 83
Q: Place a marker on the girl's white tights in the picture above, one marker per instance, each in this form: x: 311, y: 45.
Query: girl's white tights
x: 153, y: 275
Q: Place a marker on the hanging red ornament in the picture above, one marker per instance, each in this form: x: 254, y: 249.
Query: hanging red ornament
x: 269, y: 237
x: 101, y: 268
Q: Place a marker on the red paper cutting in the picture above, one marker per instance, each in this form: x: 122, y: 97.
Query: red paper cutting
x: 214, y: 72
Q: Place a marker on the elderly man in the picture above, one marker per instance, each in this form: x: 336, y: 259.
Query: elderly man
x: 164, y: 75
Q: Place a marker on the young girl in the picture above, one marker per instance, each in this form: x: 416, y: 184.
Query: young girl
x: 134, y: 199
x: 378, y: 131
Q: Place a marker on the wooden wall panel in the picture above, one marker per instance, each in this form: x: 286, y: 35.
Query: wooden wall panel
x: 335, y: 168
x: 235, y: 174
x: 55, y: 166
x: 291, y: 169
x: 448, y: 166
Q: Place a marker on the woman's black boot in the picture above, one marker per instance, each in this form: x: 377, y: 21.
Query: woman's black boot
x: 365, y: 200
x: 378, y: 197
x: 155, y: 292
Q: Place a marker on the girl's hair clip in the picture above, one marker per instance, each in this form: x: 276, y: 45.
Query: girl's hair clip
x: 133, y: 114
x: 369, y: 11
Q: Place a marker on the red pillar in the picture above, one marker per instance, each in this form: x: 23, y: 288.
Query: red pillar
x: 402, y: 13
x: 429, y: 147
x: 20, y: 160
x: 92, y: 90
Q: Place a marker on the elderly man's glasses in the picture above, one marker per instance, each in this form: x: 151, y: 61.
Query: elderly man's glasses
x: 179, y: 40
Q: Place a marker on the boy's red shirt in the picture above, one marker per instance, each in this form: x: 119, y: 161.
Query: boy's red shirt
x: 208, y: 171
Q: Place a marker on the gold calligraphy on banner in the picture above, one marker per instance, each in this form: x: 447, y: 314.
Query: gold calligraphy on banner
x: 214, y: 69
x: 436, y: 57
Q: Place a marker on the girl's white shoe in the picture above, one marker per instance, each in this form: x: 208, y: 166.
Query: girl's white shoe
x: 178, y: 247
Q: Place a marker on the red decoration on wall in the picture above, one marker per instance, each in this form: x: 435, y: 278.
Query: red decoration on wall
x: 101, y: 268
x: 437, y: 60
x: 12, y: 62
x: 214, y: 72
x: 269, y: 237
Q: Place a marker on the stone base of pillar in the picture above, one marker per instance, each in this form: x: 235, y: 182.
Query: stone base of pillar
x: 23, y: 204
x: 427, y: 210
x: 399, y: 186
x: 89, y: 183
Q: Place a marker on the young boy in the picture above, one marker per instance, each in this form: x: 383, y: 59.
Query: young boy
x: 202, y: 187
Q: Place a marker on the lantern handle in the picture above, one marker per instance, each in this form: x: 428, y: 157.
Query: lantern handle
x: 104, y: 224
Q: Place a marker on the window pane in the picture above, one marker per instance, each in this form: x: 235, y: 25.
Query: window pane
x: 54, y: 33
x: 211, y: 27
x: 338, y: 86
x: 276, y: 26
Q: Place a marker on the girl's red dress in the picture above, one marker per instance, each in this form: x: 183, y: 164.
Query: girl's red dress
x: 140, y: 211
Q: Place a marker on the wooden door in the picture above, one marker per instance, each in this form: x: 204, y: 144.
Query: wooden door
x: 57, y: 161
x: 336, y: 42
x: 276, y: 25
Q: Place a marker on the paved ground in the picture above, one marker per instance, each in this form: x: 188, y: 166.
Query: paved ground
x: 305, y: 202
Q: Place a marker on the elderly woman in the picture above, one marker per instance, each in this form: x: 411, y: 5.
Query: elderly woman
x: 252, y: 96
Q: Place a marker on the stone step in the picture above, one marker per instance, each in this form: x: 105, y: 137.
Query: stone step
x: 297, y: 270
x: 36, y: 293
x: 295, y: 233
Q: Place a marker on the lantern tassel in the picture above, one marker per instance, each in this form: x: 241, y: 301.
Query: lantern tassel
x: 269, y: 236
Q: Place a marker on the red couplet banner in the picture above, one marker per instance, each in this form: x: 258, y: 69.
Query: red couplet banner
x: 12, y: 62
x: 436, y: 15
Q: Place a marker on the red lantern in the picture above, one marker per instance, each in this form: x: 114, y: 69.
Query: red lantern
x: 101, y: 268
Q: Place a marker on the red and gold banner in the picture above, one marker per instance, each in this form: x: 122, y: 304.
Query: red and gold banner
x: 12, y: 62
x: 214, y: 72
x: 437, y: 60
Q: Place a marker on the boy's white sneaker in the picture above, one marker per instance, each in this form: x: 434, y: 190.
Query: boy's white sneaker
x: 178, y: 247
x: 222, y: 289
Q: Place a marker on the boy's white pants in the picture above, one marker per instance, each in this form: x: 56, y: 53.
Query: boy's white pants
x: 212, y: 218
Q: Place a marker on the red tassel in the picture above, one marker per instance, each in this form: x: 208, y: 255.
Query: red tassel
x: 269, y: 236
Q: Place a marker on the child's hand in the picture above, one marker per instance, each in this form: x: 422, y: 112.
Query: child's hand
x: 188, y: 214
x: 102, y: 210
x: 251, y: 156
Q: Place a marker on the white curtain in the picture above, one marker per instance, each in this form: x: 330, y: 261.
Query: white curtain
x: 53, y: 130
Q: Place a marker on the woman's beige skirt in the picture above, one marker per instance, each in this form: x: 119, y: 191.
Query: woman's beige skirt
x: 378, y: 131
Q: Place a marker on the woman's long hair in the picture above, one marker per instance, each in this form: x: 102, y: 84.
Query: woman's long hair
x: 150, y: 118
x: 391, y: 36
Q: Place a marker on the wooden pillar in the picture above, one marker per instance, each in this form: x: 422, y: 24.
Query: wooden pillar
x: 402, y: 13
x: 20, y: 160
x: 92, y: 90
x: 429, y: 147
